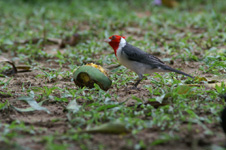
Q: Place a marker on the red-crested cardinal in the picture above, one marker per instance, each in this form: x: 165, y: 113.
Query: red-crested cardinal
x: 137, y: 60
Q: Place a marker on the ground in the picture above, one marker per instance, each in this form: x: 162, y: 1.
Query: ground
x: 168, y: 111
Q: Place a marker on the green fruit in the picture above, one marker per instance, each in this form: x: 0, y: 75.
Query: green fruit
x: 88, y: 75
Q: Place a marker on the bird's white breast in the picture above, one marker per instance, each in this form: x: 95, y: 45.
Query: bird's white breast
x: 121, y: 45
x: 123, y: 59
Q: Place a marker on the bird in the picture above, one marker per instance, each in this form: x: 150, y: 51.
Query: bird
x: 223, y: 115
x: 137, y: 60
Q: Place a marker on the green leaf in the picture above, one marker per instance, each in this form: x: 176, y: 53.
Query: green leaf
x: 73, y: 106
x: 137, y: 99
x: 183, y: 89
x: 160, y: 98
x: 105, y: 107
x: 4, y: 105
x: 33, y: 104
x: 29, y: 109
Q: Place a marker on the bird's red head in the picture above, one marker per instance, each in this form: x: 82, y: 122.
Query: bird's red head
x: 114, y: 42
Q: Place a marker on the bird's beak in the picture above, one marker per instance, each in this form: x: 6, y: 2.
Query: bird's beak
x: 107, y: 40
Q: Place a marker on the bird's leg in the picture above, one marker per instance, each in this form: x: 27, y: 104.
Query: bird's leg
x: 138, y: 81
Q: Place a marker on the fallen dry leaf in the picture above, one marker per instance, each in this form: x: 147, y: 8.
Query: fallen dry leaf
x: 8, y: 72
x: 15, y: 69
x: 72, y: 41
x: 32, y: 41
x: 170, y: 3
x: 211, y: 82
x: 113, y: 66
x: 23, y: 68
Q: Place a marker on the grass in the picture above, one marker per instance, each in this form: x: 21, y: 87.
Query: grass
x: 191, y: 37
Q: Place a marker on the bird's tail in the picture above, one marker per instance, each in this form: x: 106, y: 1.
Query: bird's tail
x: 177, y: 71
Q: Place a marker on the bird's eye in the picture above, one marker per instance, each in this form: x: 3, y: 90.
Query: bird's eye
x: 113, y: 37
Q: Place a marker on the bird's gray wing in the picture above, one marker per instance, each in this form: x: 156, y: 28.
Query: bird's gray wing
x: 135, y: 54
